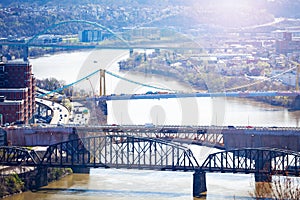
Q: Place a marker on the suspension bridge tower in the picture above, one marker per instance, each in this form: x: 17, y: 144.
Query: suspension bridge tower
x: 102, y: 83
x: 297, y: 76
x: 296, y: 104
x: 102, y: 105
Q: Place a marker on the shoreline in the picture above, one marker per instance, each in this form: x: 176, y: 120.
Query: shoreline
x: 187, y: 74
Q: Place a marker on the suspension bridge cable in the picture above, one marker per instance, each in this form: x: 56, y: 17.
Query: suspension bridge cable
x: 69, y: 85
x: 138, y: 83
x: 263, y: 80
x: 108, y: 72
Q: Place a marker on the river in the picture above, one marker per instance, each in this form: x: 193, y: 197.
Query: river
x: 133, y: 184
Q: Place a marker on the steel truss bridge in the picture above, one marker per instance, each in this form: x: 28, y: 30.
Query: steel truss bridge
x: 259, y: 160
x: 120, y: 151
x: 113, y: 151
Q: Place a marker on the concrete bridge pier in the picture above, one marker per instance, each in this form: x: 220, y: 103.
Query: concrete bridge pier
x: 41, y: 178
x: 102, y: 112
x: 199, y: 184
x: 262, y: 164
x: 25, y: 53
x: 130, y: 52
x: 296, y: 103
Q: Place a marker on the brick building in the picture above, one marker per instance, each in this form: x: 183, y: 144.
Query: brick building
x: 17, y: 91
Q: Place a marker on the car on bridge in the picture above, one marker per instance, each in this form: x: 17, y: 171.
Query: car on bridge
x: 149, y: 125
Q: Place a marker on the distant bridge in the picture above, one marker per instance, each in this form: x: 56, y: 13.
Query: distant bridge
x: 169, y: 46
x: 119, y: 43
x: 195, y: 94
x: 164, y: 93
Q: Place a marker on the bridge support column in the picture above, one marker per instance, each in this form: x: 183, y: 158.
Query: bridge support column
x: 131, y: 52
x: 102, y: 107
x: 263, y: 163
x: 39, y: 110
x: 102, y: 83
x: 296, y: 103
x: 25, y: 53
x: 199, y: 184
x: 41, y: 178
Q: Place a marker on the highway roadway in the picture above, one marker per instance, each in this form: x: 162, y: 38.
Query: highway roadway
x: 60, y: 114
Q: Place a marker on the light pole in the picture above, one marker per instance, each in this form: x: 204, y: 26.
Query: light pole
x: 91, y: 86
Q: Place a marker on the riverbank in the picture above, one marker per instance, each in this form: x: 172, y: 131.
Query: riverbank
x: 15, y: 183
x: 202, y: 76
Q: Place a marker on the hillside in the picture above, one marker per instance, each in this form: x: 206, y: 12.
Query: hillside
x: 25, y: 18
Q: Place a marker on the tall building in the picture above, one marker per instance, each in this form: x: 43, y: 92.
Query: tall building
x: 90, y: 36
x: 17, y: 92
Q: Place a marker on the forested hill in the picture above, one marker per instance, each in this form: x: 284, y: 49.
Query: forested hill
x: 278, y: 8
x: 25, y: 18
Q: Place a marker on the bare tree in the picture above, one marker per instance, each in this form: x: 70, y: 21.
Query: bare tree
x: 281, y: 188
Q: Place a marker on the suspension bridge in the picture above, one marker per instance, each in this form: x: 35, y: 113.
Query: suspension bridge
x: 164, y: 93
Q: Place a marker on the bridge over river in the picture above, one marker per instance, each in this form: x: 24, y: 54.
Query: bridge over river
x: 221, y: 137
x: 120, y: 151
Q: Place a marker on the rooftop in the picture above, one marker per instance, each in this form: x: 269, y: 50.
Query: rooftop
x: 16, y: 62
x: 13, y: 89
x: 11, y: 102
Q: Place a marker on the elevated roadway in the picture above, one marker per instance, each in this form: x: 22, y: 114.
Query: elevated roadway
x: 165, y: 95
x: 222, y: 137
x: 60, y: 114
